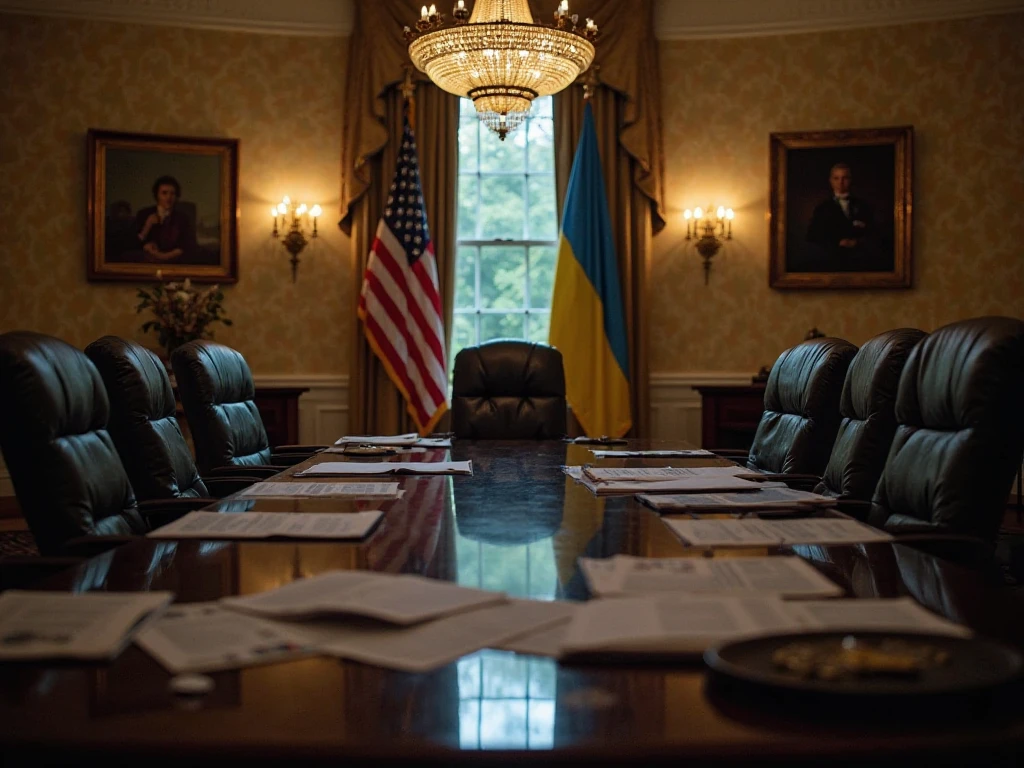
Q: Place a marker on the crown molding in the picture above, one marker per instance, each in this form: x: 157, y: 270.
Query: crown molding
x: 699, y: 19
x: 316, y: 18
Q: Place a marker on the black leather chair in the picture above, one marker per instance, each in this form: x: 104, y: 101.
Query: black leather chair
x: 801, y: 409
x: 960, y: 432
x: 868, y: 415
x: 144, y: 426
x: 217, y: 392
x: 66, y: 472
x: 509, y: 390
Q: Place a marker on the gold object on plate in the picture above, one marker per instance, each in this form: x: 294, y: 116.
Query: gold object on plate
x: 832, y: 659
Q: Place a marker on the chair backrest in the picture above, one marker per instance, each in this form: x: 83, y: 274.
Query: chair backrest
x: 53, y: 418
x: 868, y: 410
x: 217, y: 391
x: 143, y: 422
x: 960, y: 433
x: 801, y: 407
x: 509, y: 390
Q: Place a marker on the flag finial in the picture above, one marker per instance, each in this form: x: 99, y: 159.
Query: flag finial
x: 408, y: 89
x: 590, y: 82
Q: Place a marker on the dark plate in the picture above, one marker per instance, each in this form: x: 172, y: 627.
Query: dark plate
x: 975, y: 666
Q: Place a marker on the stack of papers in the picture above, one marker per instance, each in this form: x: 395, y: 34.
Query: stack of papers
x: 769, y: 533
x: 788, y: 577
x: 304, y: 490
x: 265, y: 525
x: 60, y: 625
x: 688, y: 625
x: 769, y: 496
x: 669, y: 454
x: 336, y: 468
x: 607, y: 481
x: 409, y: 440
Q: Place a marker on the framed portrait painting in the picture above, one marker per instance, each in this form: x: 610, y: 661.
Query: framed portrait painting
x: 164, y: 203
x: 841, y: 208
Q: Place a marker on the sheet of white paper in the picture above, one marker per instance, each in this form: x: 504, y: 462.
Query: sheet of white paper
x: 788, y: 576
x: 766, y: 496
x: 402, y: 599
x: 901, y: 614
x: 408, y: 439
x: 398, y: 450
x: 263, y: 525
x: 605, y: 474
x: 63, y: 625
x: 360, y: 490
x: 341, y: 468
x: 679, y: 485
x: 766, y: 533
x: 666, y: 454
x: 435, y: 643
x: 204, y: 637
x: 542, y: 642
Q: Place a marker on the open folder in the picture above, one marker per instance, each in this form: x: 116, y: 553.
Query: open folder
x: 342, y: 468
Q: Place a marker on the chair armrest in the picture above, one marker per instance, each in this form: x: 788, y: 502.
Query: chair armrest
x: 22, y: 572
x: 792, y: 479
x: 219, y: 487
x: 262, y: 471
x: 158, y: 512
x: 965, y: 550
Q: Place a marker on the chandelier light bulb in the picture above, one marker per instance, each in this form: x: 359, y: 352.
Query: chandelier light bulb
x: 286, y: 200
x: 315, y: 211
x: 729, y: 214
x: 687, y: 214
x: 698, y: 213
x: 720, y: 213
x: 273, y: 211
x: 282, y: 208
x: 301, y: 209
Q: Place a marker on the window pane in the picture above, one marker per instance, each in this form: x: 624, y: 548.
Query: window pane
x: 502, y: 327
x: 542, y: 725
x: 463, y: 335
x: 542, y: 275
x: 497, y: 156
x: 542, y: 142
x: 543, y: 216
x: 466, y: 108
x: 469, y: 724
x: 502, y: 207
x: 543, y: 677
x: 542, y: 106
x: 467, y: 213
x: 503, y: 724
x: 539, y: 323
x: 465, y: 278
x: 468, y: 128
x: 504, y: 676
x: 502, y: 277
x: 469, y: 671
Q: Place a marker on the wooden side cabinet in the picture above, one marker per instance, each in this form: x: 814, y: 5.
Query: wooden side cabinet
x: 730, y: 415
x: 279, y: 409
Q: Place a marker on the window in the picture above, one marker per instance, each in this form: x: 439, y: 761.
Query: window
x: 506, y: 230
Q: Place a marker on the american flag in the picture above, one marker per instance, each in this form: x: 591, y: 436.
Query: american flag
x: 400, y: 305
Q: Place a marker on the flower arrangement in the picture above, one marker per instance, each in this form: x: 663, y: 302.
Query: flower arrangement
x: 183, y: 313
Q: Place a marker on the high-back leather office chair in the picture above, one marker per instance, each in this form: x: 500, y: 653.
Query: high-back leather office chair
x: 960, y: 431
x: 868, y: 410
x: 53, y: 418
x: 509, y: 390
x: 217, y: 391
x: 801, y: 408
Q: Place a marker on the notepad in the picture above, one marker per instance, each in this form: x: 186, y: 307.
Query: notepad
x: 408, y: 440
x: 265, y: 525
x: 341, y: 468
x: 402, y: 599
x: 767, y: 496
x: 767, y: 533
x: 363, y: 490
x: 682, y: 483
x: 62, y: 625
x: 667, y: 454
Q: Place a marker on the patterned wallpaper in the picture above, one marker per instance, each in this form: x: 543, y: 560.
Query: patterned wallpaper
x: 958, y: 83
x: 281, y: 96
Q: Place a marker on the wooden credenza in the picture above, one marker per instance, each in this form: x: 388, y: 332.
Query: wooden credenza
x: 279, y: 409
x: 730, y: 415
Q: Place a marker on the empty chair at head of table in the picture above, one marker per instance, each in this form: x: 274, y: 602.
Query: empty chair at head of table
x: 53, y: 431
x: 801, y: 408
x: 959, y: 434
x: 868, y: 410
x: 509, y: 390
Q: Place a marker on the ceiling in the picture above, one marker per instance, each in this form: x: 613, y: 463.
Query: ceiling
x: 675, y: 19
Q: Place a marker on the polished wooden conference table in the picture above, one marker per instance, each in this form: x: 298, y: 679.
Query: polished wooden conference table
x: 517, y: 525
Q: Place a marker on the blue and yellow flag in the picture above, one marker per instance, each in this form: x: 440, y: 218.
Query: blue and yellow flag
x: 587, y: 322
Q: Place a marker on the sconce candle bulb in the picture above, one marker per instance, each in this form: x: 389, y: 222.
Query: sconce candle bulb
x: 710, y: 231
x: 295, y: 219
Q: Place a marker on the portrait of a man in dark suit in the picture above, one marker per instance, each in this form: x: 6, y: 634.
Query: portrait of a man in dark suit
x: 842, y: 234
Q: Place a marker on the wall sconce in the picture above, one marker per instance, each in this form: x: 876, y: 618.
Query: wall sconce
x: 294, y: 223
x: 710, y: 229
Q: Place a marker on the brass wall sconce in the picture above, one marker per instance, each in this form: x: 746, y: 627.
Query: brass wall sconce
x: 710, y: 229
x: 294, y: 224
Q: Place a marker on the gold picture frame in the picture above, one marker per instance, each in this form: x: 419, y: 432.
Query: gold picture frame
x: 167, y: 203
x: 827, y: 232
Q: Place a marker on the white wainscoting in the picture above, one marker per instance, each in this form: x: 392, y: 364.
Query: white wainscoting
x: 675, y: 404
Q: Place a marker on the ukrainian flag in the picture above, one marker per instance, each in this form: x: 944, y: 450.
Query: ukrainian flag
x: 587, y: 321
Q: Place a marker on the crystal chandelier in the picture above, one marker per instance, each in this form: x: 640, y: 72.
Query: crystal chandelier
x: 500, y: 58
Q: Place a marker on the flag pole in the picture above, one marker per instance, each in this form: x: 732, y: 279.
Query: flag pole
x: 408, y: 89
x: 590, y: 82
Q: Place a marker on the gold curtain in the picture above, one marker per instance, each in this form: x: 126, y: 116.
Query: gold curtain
x: 625, y: 103
x: 371, y: 136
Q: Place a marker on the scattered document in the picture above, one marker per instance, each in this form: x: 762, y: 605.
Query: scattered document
x: 654, y: 474
x: 767, y: 533
x: 388, y: 468
x: 408, y: 440
x: 787, y: 577
x: 688, y: 625
x: 668, y: 454
x: 640, y: 483
x: 205, y: 637
x: 542, y: 642
x: 768, y: 496
x: 402, y: 599
x: 354, y: 449
x: 435, y: 643
x: 265, y: 525
x: 63, y: 625
x: 361, y: 490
